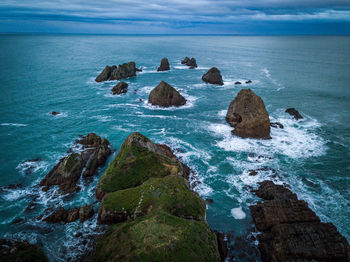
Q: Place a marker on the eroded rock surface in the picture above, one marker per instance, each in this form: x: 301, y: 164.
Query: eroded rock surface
x: 120, y: 88
x: 164, y: 65
x: 165, y: 95
x: 125, y: 70
x: 66, y: 216
x: 295, y: 113
x: 213, y: 76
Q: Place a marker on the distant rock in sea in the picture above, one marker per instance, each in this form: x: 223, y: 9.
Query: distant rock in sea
x: 54, y: 113
x: 190, y: 62
x: 120, y: 88
x: 248, y: 115
x: 238, y: 83
x: 213, y: 76
x: 165, y: 95
x: 116, y: 73
x: 248, y: 82
x: 295, y: 113
x: 291, y: 231
x: 164, y: 65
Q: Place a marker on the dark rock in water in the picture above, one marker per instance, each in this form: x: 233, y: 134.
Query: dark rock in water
x: 222, y: 245
x: 276, y: 125
x: 185, y: 61
x: 164, y: 65
x: 138, y: 69
x: 18, y: 220
x: 248, y: 82
x: 94, y: 153
x: 165, y: 95
x: 248, y: 115
x: 54, y: 113
x: 213, y: 76
x: 295, y: 113
x: 253, y: 173
x: 291, y: 231
x: 116, y: 73
x: 17, y: 251
x: 120, y: 88
x: 140, y: 100
x: 66, y: 216
x: 238, y: 83
x: 192, y: 63
x: 209, y: 201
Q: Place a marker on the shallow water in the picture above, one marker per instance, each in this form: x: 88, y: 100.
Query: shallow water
x: 40, y: 74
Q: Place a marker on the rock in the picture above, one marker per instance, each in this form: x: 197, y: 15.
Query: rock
x: 253, y: 173
x: 295, y: 113
x: 116, y: 73
x: 164, y: 65
x: 192, y: 63
x: 120, y: 88
x: 165, y: 95
x: 238, y: 83
x: 248, y: 82
x: 65, y: 174
x: 140, y: 99
x: 185, y: 61
x: 85, y: 212
x: 213, y: 76
x: 54, y: 113
x: 67, y: 216
x: 222, y: 245
x: 247, y: 114
x: 276, y: 125
x: 209, y: 201
x: 291, y: 231
x: 18, y: 251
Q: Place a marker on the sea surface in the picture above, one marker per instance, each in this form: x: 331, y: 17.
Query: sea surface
x: 44, y: 73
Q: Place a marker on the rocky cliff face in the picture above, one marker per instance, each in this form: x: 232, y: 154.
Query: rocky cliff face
x: 165, y: 95
x: 248, y: 115
x: 155, y: 216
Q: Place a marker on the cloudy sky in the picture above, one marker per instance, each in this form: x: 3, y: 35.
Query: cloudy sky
x: 176, y: 16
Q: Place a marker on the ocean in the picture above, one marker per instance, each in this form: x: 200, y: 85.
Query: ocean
x: 45, y: 73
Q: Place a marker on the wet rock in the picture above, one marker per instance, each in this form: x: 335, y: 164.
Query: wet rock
x: 213, y: 76
x: 253, y: 173
x: 67, y: 216
x: 54, y: 113
x: 191, y: 63
x: 291, y: 231
x: 18, y: 251
x: 105, y: 74
x: 238, y: 83
x: 248, y: 115
x: 79, y: 234
x: 276, y: 125
x: 293, y: 112
x: 248, y: 82
x: 209, y: 201
x: 164, y: 65
x: 165, y: 95
x: 222, y: 245
x: 94, y: 153
x: 185, y: 61
x: 18, y: 220
x: 120, y: 88
x: 125, y: 70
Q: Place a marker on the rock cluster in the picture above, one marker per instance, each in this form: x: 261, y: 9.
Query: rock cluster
x: 93, y: 154
x: 120, y: 88
x: 164, y: 65
x: 191, y: 62
x: 156, y: 217
x: 116, y: 73
x: 66, y: 216
x: 295, y: 113
x: 291, y: 231
x: 165, y: 95
x: 18, y: 251
x: 213, y: 76
x: 248, y: 115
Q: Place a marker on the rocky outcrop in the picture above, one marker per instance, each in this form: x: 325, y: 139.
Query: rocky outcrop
x: 155, y: 215
x: 248, y: 115
x: 54, y: 113
x: 81, y: 163
x: 190, y: 62
x: 165, y: 95
x: 276, y: 125
x: 295, y: 113
x: 116, y: 73
x: 213, y: 76
x: 66, y: 216
x: 248, y: 81
x: 18, y: 251
x: 185, y: 61
x: 291, y: 231
x: 164, y: 65
x: 120, y: 88
x: 238, y: 83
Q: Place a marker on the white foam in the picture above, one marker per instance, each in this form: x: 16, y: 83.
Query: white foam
x: 31, y: 166
x: 222, y: 113
x: 13, y: 124
x: 102, y: 118
x: 274, y: 81
x: 238, y: 213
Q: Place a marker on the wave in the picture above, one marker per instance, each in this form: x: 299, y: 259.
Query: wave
x: 13, y: 124
x: 32, y: 166
x: 274, y: 81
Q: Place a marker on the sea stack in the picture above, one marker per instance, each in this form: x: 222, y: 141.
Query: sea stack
x: 213, y: 76
x: 165, y: 95
x: 116, y: 73
x: 190, y: 62
x: 295, y: 113
x: 120, y: 88
x: 164, y: 65
x: 248, y: 115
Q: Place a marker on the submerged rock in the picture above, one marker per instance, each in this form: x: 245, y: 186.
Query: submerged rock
x: 213, y: 76
x: 120, y: 88
x: 18, y: 251
x: 164, y: 65
x: 66, y: 216
x: 295, y: 113
x: 276, y: 125
x: 165, y: 95
x: 116, y: 73
x: 248, y: 115
x: 156, y: 216
x: 291, y: 231
x: 94, y: 153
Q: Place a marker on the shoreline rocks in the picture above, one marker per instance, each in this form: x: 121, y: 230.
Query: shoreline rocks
x: 125, y: 70
x: 213, y: 76
x: 291, y: 231
x: 248, y: 115
x: 295, y: 113
x: 120, y: 88
x: 67, y: 216
x: 20, y: 251
x: 165, y: 95
x: 164, y: 65
x: 84, y: 163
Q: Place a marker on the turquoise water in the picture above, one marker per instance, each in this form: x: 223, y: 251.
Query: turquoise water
x: 40, y: 74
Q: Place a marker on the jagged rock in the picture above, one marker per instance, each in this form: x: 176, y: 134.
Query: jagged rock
x: 116, y: 73
x: 185, y: 61
x: 165, y: 95
x: 295, y: 113
x: 213, y: 76
x: 238, y: 83
x: 248, y: 82
x: 191, y: 63
x: 291, y: 231
x: 247, y: 114
x: 164, y: 65
x: 67, y: 216
x: 65, y: 174
x: 120, y: 88
x: 18, y: 251
x: 54, y: 113
x: 276, y: 125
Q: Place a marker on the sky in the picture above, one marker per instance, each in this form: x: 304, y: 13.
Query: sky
x: 243, y: 17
